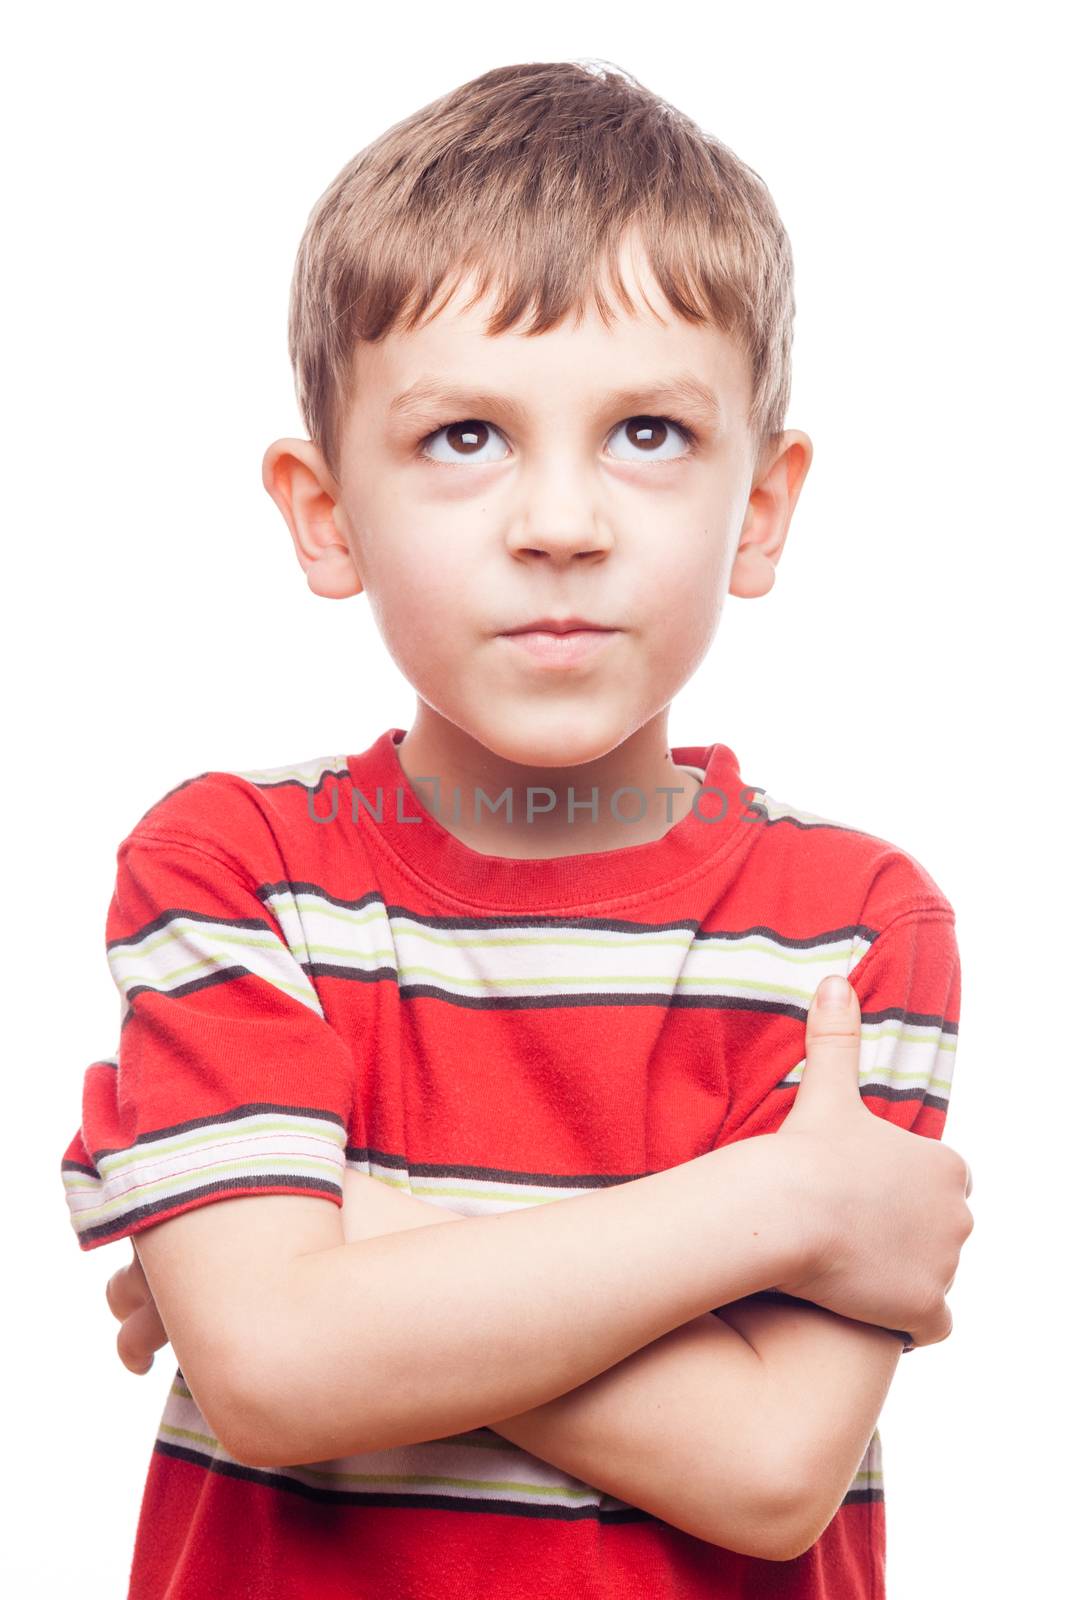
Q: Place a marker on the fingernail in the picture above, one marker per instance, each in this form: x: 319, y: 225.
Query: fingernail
x: 834, y: 993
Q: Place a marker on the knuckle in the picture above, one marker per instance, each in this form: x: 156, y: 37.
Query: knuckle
x: 932, y: 1310
x: 959, y: 1167
x: 135, y: 1351
x: 117, y: 1295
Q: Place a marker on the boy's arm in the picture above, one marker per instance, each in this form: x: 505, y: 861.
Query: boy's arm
x: 830, y: 1376
x: 823, y: 1378
x: 692, y: 1428
x: 298, y: 1349
x: 218, y: 1128
x: 755, y: 1417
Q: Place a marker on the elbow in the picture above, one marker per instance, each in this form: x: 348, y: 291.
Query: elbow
x: 253, y: 1439
x: 277, y: 1413
x: 793, y: 1524
x: 771, y: 1533
x: 766, y: 1523
x: 795, y: 1538
x: 247, y: 1415
x: 784, y: 1523
x: 776, y: 1534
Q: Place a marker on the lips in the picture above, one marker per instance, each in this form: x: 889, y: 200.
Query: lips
x: 560, y: 648
x: 562, y: 625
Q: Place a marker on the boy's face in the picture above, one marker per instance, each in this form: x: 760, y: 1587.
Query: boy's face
x: 566, y: 494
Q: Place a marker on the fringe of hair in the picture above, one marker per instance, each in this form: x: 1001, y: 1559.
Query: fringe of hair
x: 529, y: 177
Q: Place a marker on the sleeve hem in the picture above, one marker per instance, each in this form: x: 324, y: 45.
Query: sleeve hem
x: 135, y: 1221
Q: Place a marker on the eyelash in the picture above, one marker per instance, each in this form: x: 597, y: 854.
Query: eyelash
x: 686, y: 432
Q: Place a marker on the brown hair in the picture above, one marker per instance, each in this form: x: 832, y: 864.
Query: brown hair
x: 529, y: 175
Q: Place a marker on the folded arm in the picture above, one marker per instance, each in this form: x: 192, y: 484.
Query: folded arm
x: 300, y: 1346
x: 756, y: 1416
x: 653, y: 1430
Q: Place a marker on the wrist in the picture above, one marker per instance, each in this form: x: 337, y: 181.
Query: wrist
x: 784, y: 1189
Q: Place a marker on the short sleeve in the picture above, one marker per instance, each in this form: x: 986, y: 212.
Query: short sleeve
x: 227, y: 1079
x: 908, y: 985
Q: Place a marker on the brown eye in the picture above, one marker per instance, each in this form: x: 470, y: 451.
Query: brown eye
x: 466, y: 437
x: 456, y: 441
x: 648, y: 435
x: 650, y: 431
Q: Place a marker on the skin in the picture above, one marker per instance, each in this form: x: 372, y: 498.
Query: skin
x: 559, y: 509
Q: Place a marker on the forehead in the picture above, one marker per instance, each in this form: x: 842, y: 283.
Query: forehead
x: 577, y: 361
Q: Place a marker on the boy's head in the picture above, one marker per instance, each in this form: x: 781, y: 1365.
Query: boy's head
x: 541, y: 335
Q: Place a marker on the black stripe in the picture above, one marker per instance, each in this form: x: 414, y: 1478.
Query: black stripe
x: 488, y: 922
x: 430, y: 1502
x: 119, y: 1225
x: 220, y: 975
x: 339, y: 774
x: 256, y: 924
x: 463, y: 1503
x: 302, y: 886
x: 251, y: 1108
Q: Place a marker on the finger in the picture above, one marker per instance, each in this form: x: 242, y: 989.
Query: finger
x: 124, y: 1294
x: 832, y: 1044
x: 140, y: 1336
x: 970, y: 1182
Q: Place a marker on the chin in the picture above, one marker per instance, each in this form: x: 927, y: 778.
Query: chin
x: 547, y: 738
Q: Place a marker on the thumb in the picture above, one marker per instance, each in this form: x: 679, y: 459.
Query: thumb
x: 832, y: 1046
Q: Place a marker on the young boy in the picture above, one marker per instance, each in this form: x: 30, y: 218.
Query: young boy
x: 541, y: 333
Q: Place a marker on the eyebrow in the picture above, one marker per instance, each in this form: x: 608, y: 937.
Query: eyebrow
x: 635, y: 399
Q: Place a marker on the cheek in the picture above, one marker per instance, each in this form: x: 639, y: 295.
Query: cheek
x: 690, y: 592
x: 421, y: 606
x: 690, y: 578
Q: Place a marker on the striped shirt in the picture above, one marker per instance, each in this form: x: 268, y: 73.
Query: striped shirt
x: 315, y: 973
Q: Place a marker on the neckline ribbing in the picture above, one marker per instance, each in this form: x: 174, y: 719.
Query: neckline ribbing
x: 706, y: 829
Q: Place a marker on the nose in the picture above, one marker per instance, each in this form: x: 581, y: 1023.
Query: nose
x: 558, y: 518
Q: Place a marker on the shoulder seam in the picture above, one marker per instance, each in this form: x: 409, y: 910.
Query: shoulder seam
x: 922, y: 911
x: 219, y: 855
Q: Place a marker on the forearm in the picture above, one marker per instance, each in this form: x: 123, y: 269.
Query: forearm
x: 828, y: 1379
x: 427, y: 1332
x: 682, y: 1428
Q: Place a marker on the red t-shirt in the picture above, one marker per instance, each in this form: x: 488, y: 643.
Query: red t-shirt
x: 300, y: 992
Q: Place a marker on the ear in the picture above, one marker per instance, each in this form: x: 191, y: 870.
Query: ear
x: 296, y: 477
x: 775, y: 491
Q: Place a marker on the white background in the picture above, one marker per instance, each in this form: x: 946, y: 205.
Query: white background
x: 904, y: 675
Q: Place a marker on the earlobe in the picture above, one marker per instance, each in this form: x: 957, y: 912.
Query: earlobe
x: 333, y: 575
x: 296, y: 477
x: 771, y: 503
x: 753, y: 571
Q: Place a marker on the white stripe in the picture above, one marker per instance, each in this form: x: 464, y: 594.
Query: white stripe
x: 186, y: 949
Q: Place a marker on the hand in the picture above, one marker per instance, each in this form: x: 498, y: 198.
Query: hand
x: 142, y: 1332
x: 888, y: 1207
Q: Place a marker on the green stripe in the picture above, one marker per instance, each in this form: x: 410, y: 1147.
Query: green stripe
x: 178, y: 1186
x: 201, y: 1138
